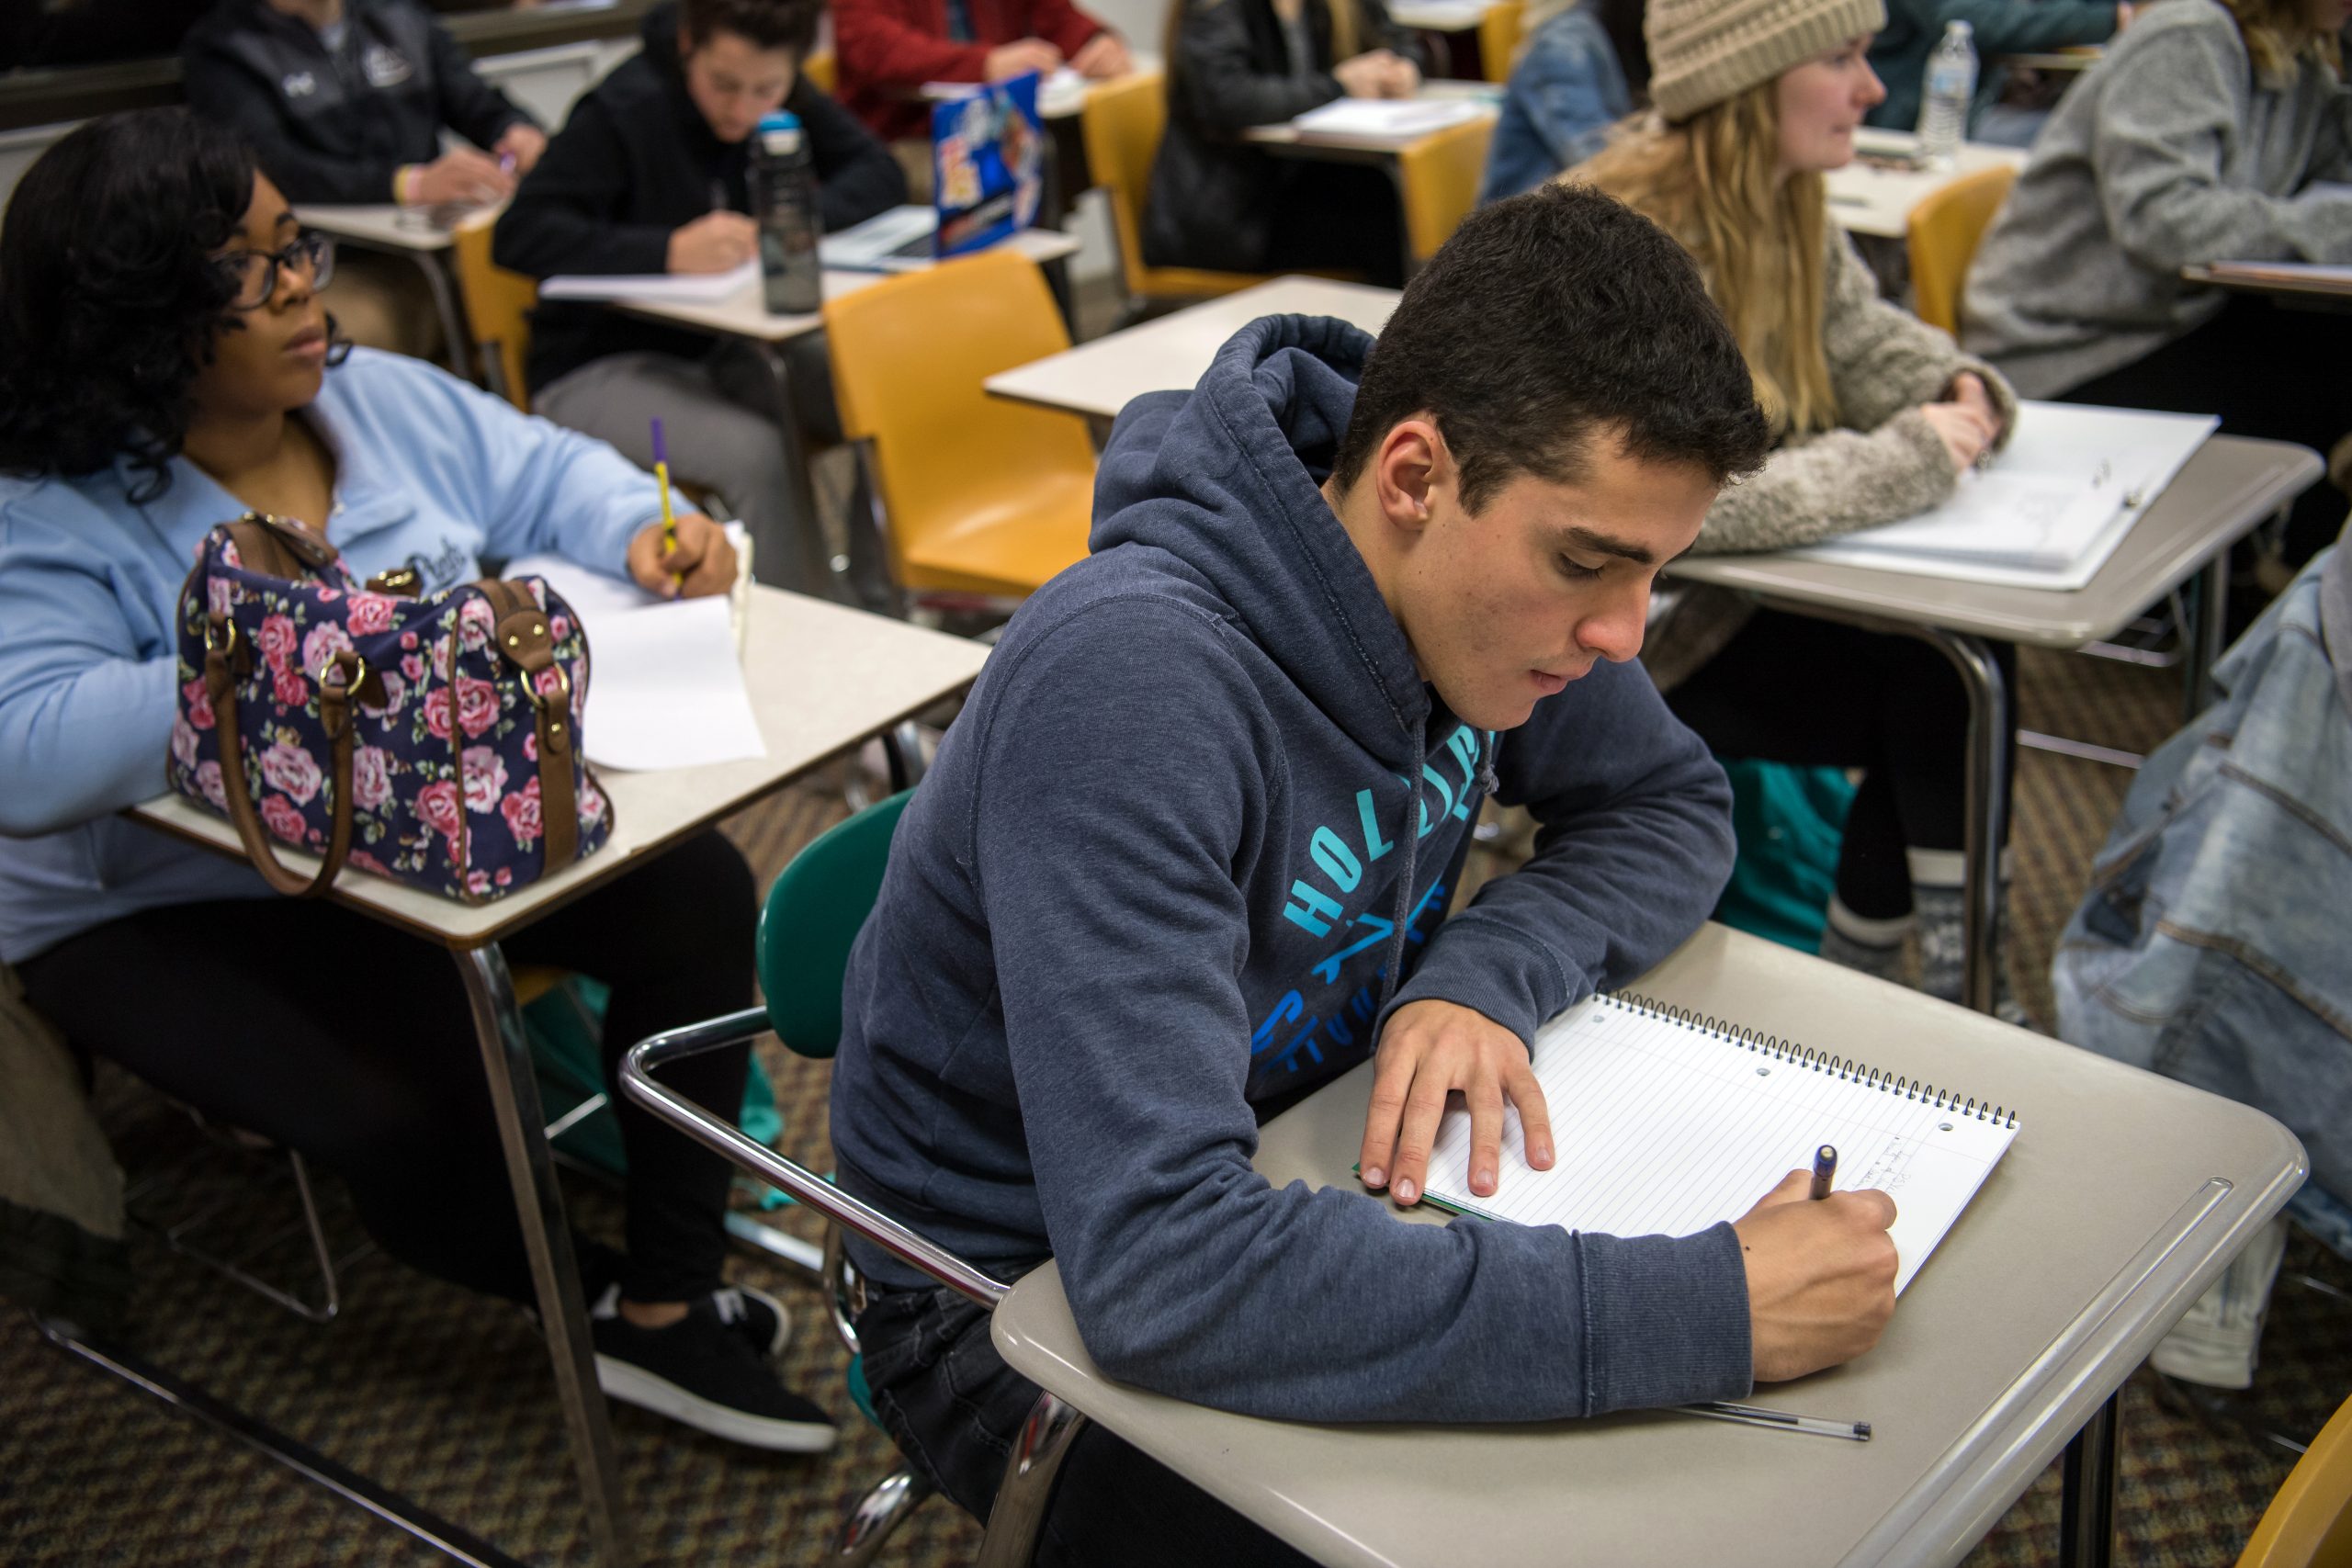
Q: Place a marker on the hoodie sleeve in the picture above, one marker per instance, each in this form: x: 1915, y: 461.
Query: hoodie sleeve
x: 1110, y: 865
x: 1226, y: 90
x: 565, y: 215
x: 469, y: 106
x: 1633, y: 843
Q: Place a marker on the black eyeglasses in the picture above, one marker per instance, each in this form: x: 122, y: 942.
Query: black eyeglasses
x: 256, y: 272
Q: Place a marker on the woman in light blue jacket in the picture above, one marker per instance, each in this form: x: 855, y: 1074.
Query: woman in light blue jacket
x: 166, y: 365
x: 1577, y: 74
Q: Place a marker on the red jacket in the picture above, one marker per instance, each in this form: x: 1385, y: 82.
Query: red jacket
x: 886, y: 49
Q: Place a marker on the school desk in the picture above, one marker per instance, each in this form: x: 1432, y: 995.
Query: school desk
x: 1870, y: 198
x: 2122, y: 1198
x: 823, y: 678
x: 408, y: 233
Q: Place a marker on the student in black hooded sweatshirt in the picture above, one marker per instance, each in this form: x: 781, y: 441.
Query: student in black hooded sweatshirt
x: 650, y: 176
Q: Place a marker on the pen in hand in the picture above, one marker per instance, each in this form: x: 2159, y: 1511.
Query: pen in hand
x: 669, y: 517
x: 1825, y: 1169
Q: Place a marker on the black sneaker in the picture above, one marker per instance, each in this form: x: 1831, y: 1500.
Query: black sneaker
x: 758, y: 1316
x: 706, y: 1373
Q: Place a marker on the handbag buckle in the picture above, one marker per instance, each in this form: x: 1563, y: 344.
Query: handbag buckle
x: 539, y: 698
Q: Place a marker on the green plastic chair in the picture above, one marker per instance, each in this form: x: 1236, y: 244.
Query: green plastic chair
x: 811, y: 919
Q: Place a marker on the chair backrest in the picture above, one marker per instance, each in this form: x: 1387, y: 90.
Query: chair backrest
x: 1121, y: 122
x: 1944, y: 229
x: 822, y: 71
x: 1499, y: 32
x: 498, y: 306
x: 909, y: 356
x: 1438, y: 178
x: 2309, y: 1523
x: 811, y: 919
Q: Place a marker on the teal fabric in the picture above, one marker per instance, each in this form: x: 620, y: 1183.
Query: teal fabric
x: 1790, y: 821
x: 565, y: 1030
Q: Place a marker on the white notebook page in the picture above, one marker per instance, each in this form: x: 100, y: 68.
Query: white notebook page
x: 1662, y: 1128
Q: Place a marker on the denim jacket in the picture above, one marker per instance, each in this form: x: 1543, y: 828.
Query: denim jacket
x: 1565, y: 94
x: 2214, y: 945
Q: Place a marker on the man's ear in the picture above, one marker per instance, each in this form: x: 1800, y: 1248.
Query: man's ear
x: 1409, y: 465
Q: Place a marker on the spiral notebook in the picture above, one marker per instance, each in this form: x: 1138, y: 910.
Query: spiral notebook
x: 1664, y: 1122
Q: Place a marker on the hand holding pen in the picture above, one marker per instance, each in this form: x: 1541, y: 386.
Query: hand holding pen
x: 1820, y: 1274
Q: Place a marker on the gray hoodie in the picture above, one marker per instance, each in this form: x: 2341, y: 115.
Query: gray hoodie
x: 1199, y: 819
x: 2167, y: 152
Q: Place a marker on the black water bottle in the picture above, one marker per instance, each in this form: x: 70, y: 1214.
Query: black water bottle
x: 784, y: 202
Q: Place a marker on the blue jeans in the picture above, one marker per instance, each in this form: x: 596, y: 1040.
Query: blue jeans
x: 953, y: 1406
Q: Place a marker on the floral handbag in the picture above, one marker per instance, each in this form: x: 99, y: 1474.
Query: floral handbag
x: 435, y: 741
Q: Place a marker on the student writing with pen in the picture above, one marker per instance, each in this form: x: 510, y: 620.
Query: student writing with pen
x: 650, y: 175
x: 1189, y: 852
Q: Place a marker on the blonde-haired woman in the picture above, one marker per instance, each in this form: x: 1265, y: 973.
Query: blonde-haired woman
x: 1880, y: 414
x: 2210, y: 133
x: 1216, y: 202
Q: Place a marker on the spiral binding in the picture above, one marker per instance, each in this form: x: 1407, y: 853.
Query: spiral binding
x: 1800, y: 1055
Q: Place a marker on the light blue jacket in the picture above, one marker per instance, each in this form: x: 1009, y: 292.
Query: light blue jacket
x: 1565, y: 94
x: 2214, y: 945
x: 430, y: 473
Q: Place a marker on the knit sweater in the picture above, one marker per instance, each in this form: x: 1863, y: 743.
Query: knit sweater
x: 2169, y: 153
x: 1883, y: 463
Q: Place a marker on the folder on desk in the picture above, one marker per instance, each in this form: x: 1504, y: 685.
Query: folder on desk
x: 1398, y: 120
x: 2049, y: 510
x: 1665, y: 1124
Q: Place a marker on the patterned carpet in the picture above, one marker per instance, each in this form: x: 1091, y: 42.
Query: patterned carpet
x: 447, y: 1398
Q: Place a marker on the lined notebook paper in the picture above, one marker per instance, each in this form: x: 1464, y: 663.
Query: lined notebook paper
x: 1665, y: 1125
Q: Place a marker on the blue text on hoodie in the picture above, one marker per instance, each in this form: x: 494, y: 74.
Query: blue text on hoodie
x: 1200, y: 809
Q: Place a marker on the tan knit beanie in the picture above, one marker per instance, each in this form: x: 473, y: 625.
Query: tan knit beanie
x: 1704, y: 52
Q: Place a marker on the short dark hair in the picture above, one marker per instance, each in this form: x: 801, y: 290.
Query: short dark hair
x: 768, y: 24
x: 1548, y: 316
x: 111, y: 302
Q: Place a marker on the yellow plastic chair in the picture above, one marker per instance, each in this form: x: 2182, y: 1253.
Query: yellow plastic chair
x: 2309, y: 1523
x: 822, y: 71
x: 1437, y: 178
x: 1499, y: 32
x: 981, y: 496
x: 498, y: 305
x: 1121, y: 122
x: 1944, y: 231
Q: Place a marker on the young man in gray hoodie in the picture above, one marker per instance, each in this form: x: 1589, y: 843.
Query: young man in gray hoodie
x: 1188, y: 849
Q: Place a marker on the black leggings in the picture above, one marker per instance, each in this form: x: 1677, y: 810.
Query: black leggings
x: 322, y: 1031
x: 2266, y: 371
x: 1793, y: 689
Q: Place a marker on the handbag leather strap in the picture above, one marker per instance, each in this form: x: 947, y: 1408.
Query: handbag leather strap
x: 335, y: 699
x: 525, y: 641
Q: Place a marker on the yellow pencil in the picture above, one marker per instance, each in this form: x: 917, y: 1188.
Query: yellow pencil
x: 669, y: 518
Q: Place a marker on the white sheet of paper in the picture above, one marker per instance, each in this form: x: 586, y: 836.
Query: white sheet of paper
x: 677, y: 289
x: 2051, y: 508
x: 593, y: 595
x: 1400, y: 120
x: 868, y: 246
x: 665, y: 689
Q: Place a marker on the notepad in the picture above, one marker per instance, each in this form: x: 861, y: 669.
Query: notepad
x: 2049, y: 510
x: 1665, y: 1125
x: 662, y: 287
x: 1399, y: 121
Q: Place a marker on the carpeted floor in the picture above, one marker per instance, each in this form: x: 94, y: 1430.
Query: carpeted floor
x: 448, y: 1398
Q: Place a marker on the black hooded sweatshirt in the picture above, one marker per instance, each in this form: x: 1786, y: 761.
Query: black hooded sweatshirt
x: 637, y: 160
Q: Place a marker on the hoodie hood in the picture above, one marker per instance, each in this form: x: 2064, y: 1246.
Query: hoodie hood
x: 1224, y: 478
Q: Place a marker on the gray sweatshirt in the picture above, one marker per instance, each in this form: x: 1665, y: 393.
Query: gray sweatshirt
x: 2168, y: 154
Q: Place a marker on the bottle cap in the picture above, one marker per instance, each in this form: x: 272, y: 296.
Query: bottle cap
x: 780, y: 133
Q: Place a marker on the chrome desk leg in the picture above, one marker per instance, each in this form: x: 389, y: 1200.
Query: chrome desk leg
x: 2086, y: 1503
x: 812, y: 562
x: 1039, y: 1450
x: 453, y: 1542
x: 2201, y: 637
x: 877, y: 1514
x: 459, y: 352
x: 1988, y: 730
x: 538, y: 1204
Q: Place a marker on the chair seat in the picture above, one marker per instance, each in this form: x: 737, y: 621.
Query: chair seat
x: 1010, y: 548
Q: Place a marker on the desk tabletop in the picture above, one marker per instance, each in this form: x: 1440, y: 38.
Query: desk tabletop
x: 1061, y: 94
x: 2330, y: 287
x: 382, y: 226
x: 1870, y: 198
x: 2228, y: 487
x: 2122, y: 1198
x: 1286, y: 140
x: 1170, y: 354
x: 822, y: 677
x: 745, y: 315
x: 1441, y: 16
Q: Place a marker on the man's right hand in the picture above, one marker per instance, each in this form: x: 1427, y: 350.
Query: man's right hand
x: 1368, y: 75
x: 1966, y: 428
x: 1820, y: 1276
x: 463, y: 175
x: 714, y: 243
x: 1022, y: 55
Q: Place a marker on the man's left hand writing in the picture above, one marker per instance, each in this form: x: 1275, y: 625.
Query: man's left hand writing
x: 523, y: 143
x: 1432, y: 1049
x: 703, y: 559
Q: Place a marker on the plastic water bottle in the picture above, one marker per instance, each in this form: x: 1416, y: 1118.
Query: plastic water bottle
x: 784, y: 201
x: 1946, y: 92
